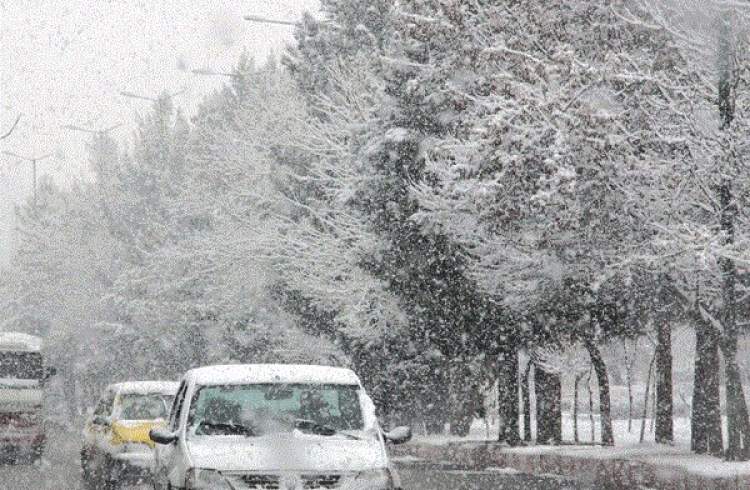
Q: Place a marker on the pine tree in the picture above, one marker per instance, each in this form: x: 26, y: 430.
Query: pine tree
x: 423, y: 267
x: 349, y: 30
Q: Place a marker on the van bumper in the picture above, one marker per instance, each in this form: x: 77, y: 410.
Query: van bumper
x: 22, y: 441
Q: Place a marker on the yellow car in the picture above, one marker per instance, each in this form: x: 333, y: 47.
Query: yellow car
x: 116, y: 446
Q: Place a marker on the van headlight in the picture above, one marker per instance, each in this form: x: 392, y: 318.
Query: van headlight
x: 205, y: 479
x: 376, y: 479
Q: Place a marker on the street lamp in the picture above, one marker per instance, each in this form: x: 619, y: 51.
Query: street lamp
x: 10, y: 131
x: 265, y: 20
x: 207, y: 72
x: 212, y: 73
x: 33, y: 161
x: 132, y: 95
x: 98, y: 132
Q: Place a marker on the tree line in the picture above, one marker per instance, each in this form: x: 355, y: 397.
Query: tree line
x: 424, y: 190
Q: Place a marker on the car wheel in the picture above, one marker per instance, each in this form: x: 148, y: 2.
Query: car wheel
x: 90, y: 475
x: 110, y: 485
x: 85, y: 472
x: 89, y: 482
x: 105, y: 479
x: 36, y: 454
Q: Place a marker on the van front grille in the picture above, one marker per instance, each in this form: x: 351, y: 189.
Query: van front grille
x: 261, y: 482
x: 321, y: 481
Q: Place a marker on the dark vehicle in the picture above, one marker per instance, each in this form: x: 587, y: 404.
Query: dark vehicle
x: 22, y: 377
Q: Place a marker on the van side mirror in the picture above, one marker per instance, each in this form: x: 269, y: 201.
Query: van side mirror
x: 49, y: 371
x: 399, y: 435
x: 162, y: 436
x: 101, y: 420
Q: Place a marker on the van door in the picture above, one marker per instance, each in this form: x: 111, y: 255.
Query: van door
x: 165, y: 454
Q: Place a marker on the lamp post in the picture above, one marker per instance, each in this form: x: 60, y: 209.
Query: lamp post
x: 98, y: 132
x: 133, y: 95
x: 33, y: 161
x: 211, y: 73
x: 265, y: 20
x: 10, y: 131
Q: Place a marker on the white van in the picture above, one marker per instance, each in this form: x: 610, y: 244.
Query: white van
x: 273, y: 426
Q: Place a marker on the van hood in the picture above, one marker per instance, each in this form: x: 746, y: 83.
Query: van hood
x: 286, y: 452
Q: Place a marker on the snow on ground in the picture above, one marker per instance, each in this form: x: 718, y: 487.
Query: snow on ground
x: 504, y: 471
x: 627, y: 446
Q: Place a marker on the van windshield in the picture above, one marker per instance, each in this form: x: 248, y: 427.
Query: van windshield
x: 21, y: 365
x: 255, y: 409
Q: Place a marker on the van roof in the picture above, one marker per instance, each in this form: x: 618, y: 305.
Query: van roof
x: 145, y: 387
x: 271, y: 373
x: 17, y: 341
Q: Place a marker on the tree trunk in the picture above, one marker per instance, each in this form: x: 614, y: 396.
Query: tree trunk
x: 526, y: 394
x: 738, y: 423
x: 548, y: 406
x: 604, y: 397
x: 645, y: 398
x: 592, y: 423
x: 705, y: 423
x: 664, y: 433
x: 738, y: 427
x: 507, y: 394
x: 653, y: 409
x: 629, y: 380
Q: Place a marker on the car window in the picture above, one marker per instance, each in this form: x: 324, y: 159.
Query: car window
x: 174, y: 415
x: 104, y: 407
x: 144, y: 406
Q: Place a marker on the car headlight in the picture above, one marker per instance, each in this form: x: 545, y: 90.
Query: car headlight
x: 205, y: 479
x: 376, y: 479
x: 136, y: 447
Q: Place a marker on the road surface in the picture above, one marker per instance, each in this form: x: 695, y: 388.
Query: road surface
x: 428, y: 476
x: 59, y: 470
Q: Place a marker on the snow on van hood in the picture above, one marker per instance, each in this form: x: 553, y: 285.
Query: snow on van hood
x: 286, y: 452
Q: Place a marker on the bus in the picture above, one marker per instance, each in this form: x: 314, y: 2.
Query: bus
x: 23, y: 374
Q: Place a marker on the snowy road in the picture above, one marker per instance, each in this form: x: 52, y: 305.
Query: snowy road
x: 420, y: 476
x: 60, y: 471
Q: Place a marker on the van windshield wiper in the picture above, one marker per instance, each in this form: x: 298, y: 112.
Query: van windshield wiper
x: 226, y: 428
x: 313, y: 427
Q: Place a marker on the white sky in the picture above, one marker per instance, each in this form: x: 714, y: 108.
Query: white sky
x: 65, y: 62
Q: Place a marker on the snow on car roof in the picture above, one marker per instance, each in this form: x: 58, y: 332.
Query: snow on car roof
x: 145, y: 387
x: 271, y: 373
x: 17, y: 341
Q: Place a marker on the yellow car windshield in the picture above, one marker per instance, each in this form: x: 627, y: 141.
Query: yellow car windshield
x: 145, y: 406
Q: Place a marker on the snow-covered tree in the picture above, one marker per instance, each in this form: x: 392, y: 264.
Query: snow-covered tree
x: 705, y: 230
x: 542, y: 134
x: 346, y: 30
